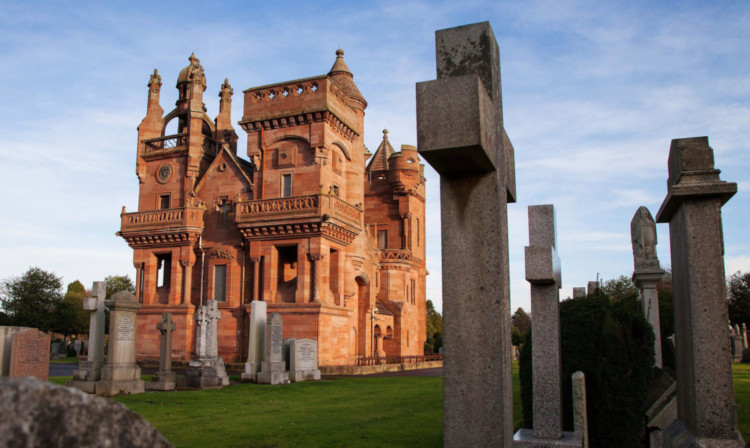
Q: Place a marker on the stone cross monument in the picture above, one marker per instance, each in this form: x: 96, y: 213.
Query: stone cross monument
x: 89, y: 371
x: 121, y: 375
x: 165, y: 379
x: 460, y: 133
x: 206, y: 369
x: 647, y: 272
x: 256, y: 339
x: 543, y: 272
x: 707, y: 414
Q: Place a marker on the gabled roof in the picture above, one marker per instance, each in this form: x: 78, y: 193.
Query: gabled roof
x: 242, y: 166
x: 379, y: 161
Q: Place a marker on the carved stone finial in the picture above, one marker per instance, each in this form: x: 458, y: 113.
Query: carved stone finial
x: 643, y: 238
x: 339, y: 53
x: 154, y: 82
x: 385, y: 133
x: 226, y: 91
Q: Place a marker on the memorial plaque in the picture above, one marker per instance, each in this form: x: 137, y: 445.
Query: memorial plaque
x: 126, y: 327
x: 30, y: 354
x: 305, y: 355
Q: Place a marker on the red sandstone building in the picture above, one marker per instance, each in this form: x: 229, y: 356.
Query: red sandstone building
x: 329, y: 240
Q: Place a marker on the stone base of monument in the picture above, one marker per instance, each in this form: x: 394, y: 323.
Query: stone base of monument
x: 524, y: 438
x: 295, y: 376
x: 120, y: 380
x: 204, y: 373
x: 250, y: 374
x: 679, y: 436
x: 273, y: 373
x: 86, y: 386
x: 162, y: 381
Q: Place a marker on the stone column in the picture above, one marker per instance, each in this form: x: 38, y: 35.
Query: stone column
x: 165, y: 379
x: 302, y: 295
x: 121, y: 375
x: 707, y: 413
x: 187, y: 277
x: 256, y: 339
x: 647, y: 273
x: 317, y: 277
x: 89, y: 371
x: 543, y: 273
x: 256, y: 278
x: 138, y: 280
x: 460, y: 133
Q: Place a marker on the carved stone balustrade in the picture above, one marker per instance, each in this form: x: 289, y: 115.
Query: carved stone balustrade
x: 162, y: 227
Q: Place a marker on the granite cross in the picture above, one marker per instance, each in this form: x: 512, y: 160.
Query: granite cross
x: 166, y: 327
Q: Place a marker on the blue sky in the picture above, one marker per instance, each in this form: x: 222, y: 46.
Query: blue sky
x: 593, y: 93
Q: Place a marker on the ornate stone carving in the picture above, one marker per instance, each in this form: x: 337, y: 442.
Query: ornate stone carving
x: 643, y: 237
x: 221, y: 253
x: 154, y: 83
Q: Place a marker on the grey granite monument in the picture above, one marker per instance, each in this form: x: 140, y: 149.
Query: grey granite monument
x: 273, y: 367
x: 121, y: 375
x: 206, y: 369
x: 707, y: 415
x: 647, y: 272
x: 165, y: 379
x: 89, y: 371
x: 543, y: 272
x: 580, y: 417
x: 303, y: 360
x: 256, y: 340
x: 460, y: 133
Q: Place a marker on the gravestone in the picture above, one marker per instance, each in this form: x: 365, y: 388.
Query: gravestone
x: 460, y: 133
x: 303, y: 360
x: 707, y: 414
x: 273, y: 367
x: 579, y: 292
x: 256, y: 339
x: 29, y: 354
x: 580, y: 417
x: 647, y: 273
x: 89, y: 371
x: 6, y: 344
x: 36, y: 413
x: 744, y: 336
x: 165, y: 379
x: 121, y: 375
x: 592, y: 288
x: 206, y: 369
x: 543, y: 273
x: 736, y: 343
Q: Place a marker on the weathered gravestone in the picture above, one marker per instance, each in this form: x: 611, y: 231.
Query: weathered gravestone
x: 303, y: 360
x: 120, y: 374
x: 273, y: 367
x: 460, y: 133
x: 35, y: 413
x: 579, y: 292
x: 256, y: 339
x: 543, y: 272
x: 165, y: 379
x: 206, y: 368
x: 6, y: 344
x: 736, y: 343
x: 580, y: 416
x: 29, y: 354
x: 707, y: 414
x: 89, y: 371
x: 647, y: 272
x: 592, y: 288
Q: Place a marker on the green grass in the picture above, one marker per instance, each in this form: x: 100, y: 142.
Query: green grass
x: 741, y: 376
x: 66, y: 360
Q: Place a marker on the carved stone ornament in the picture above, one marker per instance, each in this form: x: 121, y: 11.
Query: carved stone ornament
x: 221, y: 253
x: 643, y: 236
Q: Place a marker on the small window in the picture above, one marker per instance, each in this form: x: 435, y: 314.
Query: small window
x: 382, y: 239
x: 163, y: 270
x: 220, y: 282
x: 286, y: 185
x: 164, y: 201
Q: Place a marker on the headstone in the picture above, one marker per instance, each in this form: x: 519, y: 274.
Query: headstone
x: 744, y: 337
x: 647, y: 272
x: 579, y: 292
x: 36, y: 413
x: 460, y: 133
x: 165, y: 379
x: 273, y: 367
x: 256, y: 340
x: 89, y: 371
x: 736, y: 343
x: 6, y: 344
x: 206, y: 369
x: 592, y: 288
x: 303, y: 360
x: 121, y: 375
x: 580, y: 417
x: 29, y: 354
x: 707, y: 414
x: 543, y: 273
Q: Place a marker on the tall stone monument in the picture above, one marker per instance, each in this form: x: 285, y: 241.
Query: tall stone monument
x: 165, y: 379
x: 460, y: 133
x: 121, y: 375
x: 647, y: 272
x: 543, y: 272
x: 206, y: 368
x: 707, y: 414
x: 273, y: 367
x: 256, y: 340
x: 89, y: 371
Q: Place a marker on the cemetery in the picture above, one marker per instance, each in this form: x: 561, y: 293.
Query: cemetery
x: 257, y: 314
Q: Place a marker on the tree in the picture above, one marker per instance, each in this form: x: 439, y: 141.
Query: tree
x: 79, y: 323
x: 434, y: 320
x: 521, y: 321
x: 33, y: 299
x: 117, y: 283
x: 619, y: 288
x: 738, y: 296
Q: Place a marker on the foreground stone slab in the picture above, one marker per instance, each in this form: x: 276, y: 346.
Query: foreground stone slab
x: 35, y: 413
x: 705, y: 393
x: 30, y: 354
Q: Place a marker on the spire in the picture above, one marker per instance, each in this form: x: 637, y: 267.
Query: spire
x: 379, y: 161
x: 341, y: 74
x: 339, y: 66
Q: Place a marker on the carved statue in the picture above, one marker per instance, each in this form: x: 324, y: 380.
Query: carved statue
x: 643, y: 238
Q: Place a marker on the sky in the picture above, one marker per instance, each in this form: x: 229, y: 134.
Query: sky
x: 593, y: 94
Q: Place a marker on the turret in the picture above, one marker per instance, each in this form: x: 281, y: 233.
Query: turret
x: 225, y: 133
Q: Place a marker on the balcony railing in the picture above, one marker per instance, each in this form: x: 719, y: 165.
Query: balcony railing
x: 395, y: 255
x: 166, y: 143
x: 162, y: 219
x: 298, y: 207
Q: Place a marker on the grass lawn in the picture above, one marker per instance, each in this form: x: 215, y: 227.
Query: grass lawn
x: 362, y: 412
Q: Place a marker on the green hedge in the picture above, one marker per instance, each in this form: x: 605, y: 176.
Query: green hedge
x: 613, y: 345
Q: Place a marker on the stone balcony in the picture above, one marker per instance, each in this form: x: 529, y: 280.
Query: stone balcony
x: 171, y: 144
x: 159, y: 227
